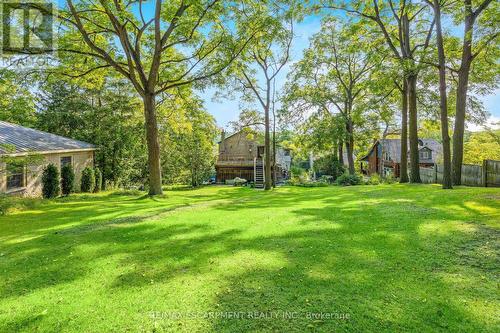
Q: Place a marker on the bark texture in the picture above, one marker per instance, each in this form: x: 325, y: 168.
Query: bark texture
x: 153, y: 145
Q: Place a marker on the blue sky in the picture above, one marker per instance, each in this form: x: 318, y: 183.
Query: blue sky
x: 227, y: 110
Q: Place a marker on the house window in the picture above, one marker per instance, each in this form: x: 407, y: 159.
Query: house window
x: 65, y: 160
x: 387, y: 156
x: 425, y: 154
x: 15, y: 176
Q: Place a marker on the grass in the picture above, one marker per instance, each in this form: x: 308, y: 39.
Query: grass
x: 375, y: 258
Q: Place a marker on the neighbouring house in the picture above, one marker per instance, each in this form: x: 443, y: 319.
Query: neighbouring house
x: 241, y: 155
x: 385, y: 156
x: 38, y: 149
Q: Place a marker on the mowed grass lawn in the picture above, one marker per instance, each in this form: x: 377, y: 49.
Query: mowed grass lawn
x: 358, y: 259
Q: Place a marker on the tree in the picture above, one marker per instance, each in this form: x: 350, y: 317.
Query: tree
x: 107, y: 115
x: 16, y: 102
x: 335, y: 77
x: 394, y: 21
x: 188, y: 135
x: 182, y: 43
x: 469, y: 53
x: 50, y: 182
x: 88, y: 180
x: 67, y: 179
x: 261, y: 62
x: 447, y: 183
x: 98, y: 180
x: 482, y: 146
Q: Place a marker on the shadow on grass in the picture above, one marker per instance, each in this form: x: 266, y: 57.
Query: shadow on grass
x: 361, y: 253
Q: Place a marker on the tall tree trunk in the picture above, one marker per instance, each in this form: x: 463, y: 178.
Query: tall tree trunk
x: 274, y: 147
x: 443, y: 99
x: 413, y: 129
x: 267, y: 152
x: 403, y: 167
x: 463, y: 83
x: 341, y: 152
x: 153, y: 145
x: 350, y: 146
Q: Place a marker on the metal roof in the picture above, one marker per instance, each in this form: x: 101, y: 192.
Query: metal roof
x: 25, y: 140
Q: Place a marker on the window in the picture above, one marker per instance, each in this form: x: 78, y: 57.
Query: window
x: 65, y: 160
x: 15, y: 176
x: 425, y: 154
x: 387, y: 156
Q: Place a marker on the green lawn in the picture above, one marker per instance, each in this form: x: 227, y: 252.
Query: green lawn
x: 375, y: 258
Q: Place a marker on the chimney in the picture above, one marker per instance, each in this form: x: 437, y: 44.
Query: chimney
x: 222, y: 139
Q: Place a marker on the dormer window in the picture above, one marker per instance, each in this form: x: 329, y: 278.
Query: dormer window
x: 425, y: 154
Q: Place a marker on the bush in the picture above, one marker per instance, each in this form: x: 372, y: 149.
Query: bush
x: 348, y: 180
x: 9, y: 204
x: 50, y: 182
x: 389, y: 179
x: 67, y: 179
x: 88, y: 180
x: 98, y: 180
x: 329, y: 165
x: 374, y: 180
x: 327, y: 179
x: 312, y: 184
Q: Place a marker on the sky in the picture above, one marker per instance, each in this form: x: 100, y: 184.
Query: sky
x: 227, y: 110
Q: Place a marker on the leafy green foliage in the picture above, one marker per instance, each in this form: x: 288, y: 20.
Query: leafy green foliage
x: 374, y: 180
x: 329, y: 165
x: 88, y: 180
x: 188, y: 137
x: 50, y: 182
x: 348, y: 179
x: 109, y: 117
x: 482, y: 146
x: 10, y: 204
x: 67, y: 179
x: 98, y: 180
x: 17, y: 104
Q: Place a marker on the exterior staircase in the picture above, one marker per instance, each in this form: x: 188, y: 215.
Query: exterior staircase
x: 259, y: 173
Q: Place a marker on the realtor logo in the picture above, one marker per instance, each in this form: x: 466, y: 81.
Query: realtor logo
x: 27, y: 27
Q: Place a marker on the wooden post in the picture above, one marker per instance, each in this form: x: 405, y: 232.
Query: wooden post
x: 485, y: 173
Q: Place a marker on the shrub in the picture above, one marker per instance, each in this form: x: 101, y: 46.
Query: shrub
x: 67, y: 179
x: 88, y: 180
x: 327, y: 179
x: 98, y: 180
x: 329, y: 165
x: 312, y: 184
x: 374, y: 180
x: 389, y: 179
x: 50, y: 182
x: 9, y: 204
x: 348, y: 179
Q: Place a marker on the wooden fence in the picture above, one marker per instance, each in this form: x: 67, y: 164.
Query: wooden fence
x: 486, y: 175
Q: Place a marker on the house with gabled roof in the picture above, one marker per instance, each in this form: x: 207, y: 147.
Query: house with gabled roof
x: 241, y: 154
x: 384, y: 156
x: 19, y: 143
